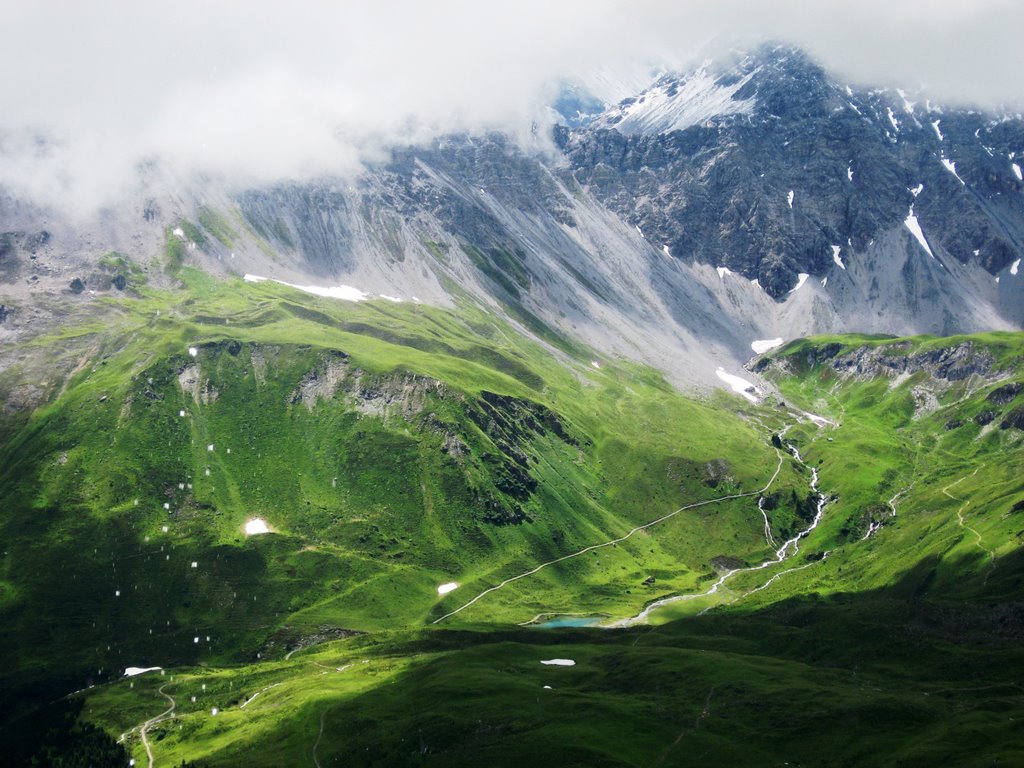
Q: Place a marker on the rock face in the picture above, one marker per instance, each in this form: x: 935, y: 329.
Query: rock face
x: 953, y: 363
x: 771, y: 169
x: 740, y: 201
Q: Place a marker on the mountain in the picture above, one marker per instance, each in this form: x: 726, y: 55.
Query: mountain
x: 772, y: 169
x: 674, y: 228
x: 429, y: 465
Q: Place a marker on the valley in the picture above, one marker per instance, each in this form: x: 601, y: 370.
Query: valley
x: 689, y: 519
x: 680, y: 427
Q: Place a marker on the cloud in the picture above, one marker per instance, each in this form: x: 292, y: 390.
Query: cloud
x: 258, y: 91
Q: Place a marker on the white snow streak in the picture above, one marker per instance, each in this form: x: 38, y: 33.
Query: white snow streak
x: 951, y: 167
x: 344, y: 292
x: 1014, y: 267
x: 892, y: 119
x: 835, y: 256
x: 789, y: 198
x: 1017, y: 173
x: 800, y: 280
x: 915, y: 230
x: 133, y: 671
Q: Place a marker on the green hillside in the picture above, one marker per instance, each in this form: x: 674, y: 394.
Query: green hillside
x: 394, y: 448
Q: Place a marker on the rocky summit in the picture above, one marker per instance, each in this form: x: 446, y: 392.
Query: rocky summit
x: 747, y: 199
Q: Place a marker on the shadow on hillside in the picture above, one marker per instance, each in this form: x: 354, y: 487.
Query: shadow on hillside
x: 899, y: 675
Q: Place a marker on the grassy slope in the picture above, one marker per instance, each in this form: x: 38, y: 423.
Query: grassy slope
x: 367, y: 551
x: 368, y: 511
x: 907, y: 650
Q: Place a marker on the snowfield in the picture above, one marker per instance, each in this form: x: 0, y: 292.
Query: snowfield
x: 738, y: 385
x: 763, y: 345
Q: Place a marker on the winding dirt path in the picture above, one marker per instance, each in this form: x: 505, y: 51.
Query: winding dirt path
x: 320, y: 735
x: 620, y: 539
x: 165, y: 715
x: 960, y: 515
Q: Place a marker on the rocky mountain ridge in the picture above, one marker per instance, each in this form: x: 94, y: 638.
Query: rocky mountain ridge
x: 739, y: 202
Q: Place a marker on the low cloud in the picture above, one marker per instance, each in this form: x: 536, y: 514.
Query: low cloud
x: 257, y: 92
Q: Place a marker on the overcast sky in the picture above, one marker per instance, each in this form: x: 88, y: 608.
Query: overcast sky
x: 259, y: 91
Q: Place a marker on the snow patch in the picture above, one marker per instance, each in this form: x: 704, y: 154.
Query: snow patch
x: 800, y: 280
x: 917, y: 190
x: 1014, y: 267
x: 639, y: 231
x: 789, y: 198
x: 559, y: 662
x: 908, y: 106
x: 1017, y: 172
x: 391, y: 298
x: 133, y: 671
x: 675, y: 104
x: 824, y: 281
x: 256, y: 526
x: 179, y: 233
x: 738, y: 385
x: 763, y: 345
x: 665, y: 250
x: 444, y: 589
x: 595, y: 364
x: 951, y: 167
x: 344, y: 292
x: 935, y: 125
x: 849, y: 173
x: 193, y: 351
x: 892, y: 119
x: 915, y: 230
x: 835, y: 256
x: 723, y: 271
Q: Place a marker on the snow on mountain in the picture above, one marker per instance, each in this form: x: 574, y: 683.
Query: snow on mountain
x: 676, y: 102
